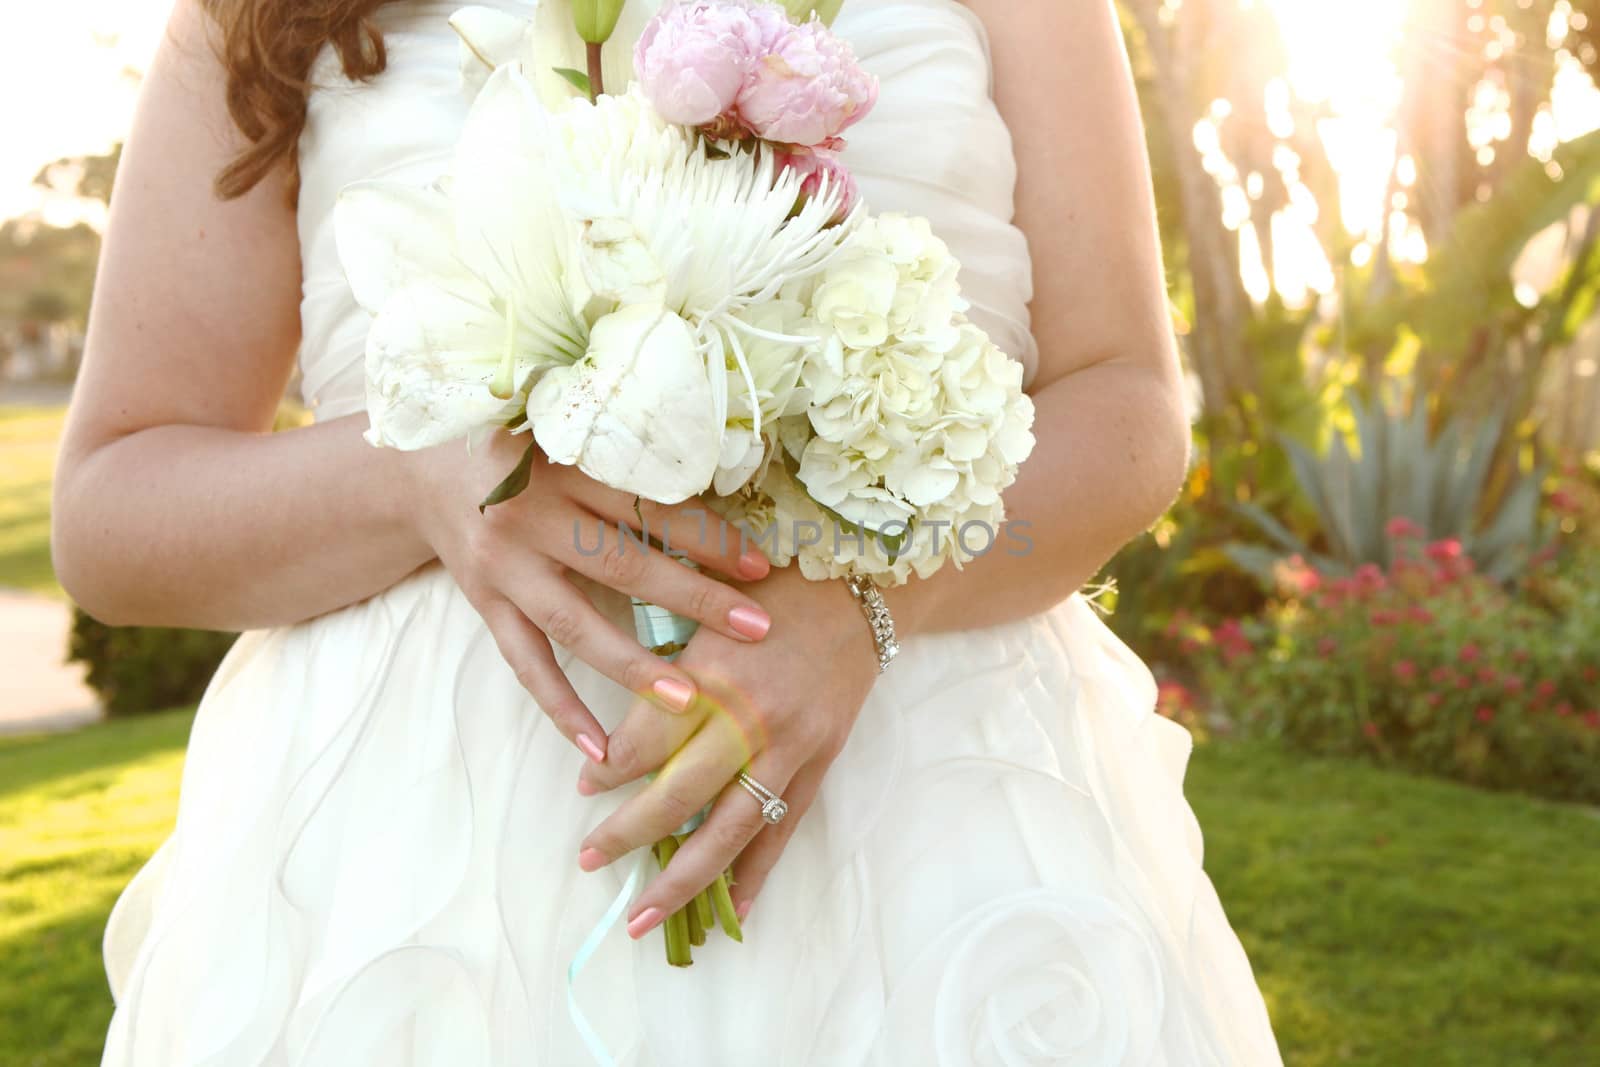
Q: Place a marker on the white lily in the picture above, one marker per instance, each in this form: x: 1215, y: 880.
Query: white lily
x: 463, y: 298
x: 491, y: 38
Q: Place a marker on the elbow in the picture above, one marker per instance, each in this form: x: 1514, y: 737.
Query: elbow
x: 1174, y: 453
x: 76, y: 557
x: 1161, y: 451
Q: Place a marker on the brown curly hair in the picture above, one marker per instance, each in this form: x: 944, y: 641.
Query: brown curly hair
x: 267, y: 48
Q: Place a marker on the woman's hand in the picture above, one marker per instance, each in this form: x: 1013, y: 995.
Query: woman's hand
x: 514, y: 562
x: 785, y: 707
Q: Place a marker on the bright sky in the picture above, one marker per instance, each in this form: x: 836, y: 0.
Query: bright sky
x: 64, y: 77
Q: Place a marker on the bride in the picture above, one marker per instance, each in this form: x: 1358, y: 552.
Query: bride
x: 424, y: 774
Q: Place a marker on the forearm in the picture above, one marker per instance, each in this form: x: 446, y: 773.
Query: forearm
x: 219, y: 529
x: 1111, y: 455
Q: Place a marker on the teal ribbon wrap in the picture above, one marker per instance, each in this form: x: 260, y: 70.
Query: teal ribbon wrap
x: 591, y: 945
x: 657, y: 628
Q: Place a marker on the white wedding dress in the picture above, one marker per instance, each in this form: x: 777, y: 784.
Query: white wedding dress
x: 375, y: 859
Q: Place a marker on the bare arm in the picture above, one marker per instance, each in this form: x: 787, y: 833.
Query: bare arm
x: 1112, y: 433
x: 173, y: 503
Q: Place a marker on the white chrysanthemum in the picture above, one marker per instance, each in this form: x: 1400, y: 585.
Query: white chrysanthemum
x: 775, y: 359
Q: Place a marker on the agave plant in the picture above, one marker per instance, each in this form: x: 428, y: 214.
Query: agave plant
x: 1440, y: 484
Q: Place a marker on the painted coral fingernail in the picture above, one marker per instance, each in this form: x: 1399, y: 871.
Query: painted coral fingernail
x: 591, y: 859
x: 586, y: 788
x: 678, y: 695
x: 754, y: 565
x: 749, y: 622
x: 590, y: 749
x: 644, y: 922
x: 743, y: 909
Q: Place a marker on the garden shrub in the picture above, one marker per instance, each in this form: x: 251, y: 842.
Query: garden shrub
x: 1426, y: 665
x: 137, y: 669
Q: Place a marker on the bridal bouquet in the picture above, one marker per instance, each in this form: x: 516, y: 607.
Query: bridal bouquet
x: 657, y: 265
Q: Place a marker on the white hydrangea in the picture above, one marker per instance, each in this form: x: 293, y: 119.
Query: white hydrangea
x: 915, y: 421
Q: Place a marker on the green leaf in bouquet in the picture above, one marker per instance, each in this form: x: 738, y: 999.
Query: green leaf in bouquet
x: 578, y: 78
x: 892, y: 546
x: 514, y: 483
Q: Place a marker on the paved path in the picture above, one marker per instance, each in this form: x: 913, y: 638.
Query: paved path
x: 38, y: 690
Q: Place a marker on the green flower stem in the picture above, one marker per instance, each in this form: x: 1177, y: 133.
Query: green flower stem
x: 597, y: 82
x: 691, y: 917
x: 702, y: 907
x: 679, y: 951
x: 722, y: 900
x: 675, y: 930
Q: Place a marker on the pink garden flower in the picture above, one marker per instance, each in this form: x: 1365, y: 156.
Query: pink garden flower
x: 1444, y: 551
x: 1486, y: 714
x: 1232, y: 641
x: 1370, y: 578
x: 1405, y: 670
x: 1403, y: 529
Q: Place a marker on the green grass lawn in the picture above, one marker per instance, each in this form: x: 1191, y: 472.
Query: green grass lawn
x: 1405, y: 922
x: 28, y: 438
x: 78, y: 814
x: 1393, y: 921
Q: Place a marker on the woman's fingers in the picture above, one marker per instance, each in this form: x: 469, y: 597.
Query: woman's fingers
x: 620, y: 562
x: 685, y: 784
x: 734, y: 822
x: 750, y: 870
x: 644, y: 741
x: 688, y: 528
x: 528, y: 652
x: 569, y: 619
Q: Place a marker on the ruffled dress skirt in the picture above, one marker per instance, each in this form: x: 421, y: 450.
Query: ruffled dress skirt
x: 375, y: 862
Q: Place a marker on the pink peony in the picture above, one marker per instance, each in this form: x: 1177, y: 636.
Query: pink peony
x: 1403, y: 529
x: 819, y: 169
x: 694, y: 58
x: 807, y: 89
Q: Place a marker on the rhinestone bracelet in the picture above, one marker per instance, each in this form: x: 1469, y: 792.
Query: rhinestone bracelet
x: 877, y: 613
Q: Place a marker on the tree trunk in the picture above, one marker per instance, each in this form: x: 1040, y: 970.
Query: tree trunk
x: 1218, y: 347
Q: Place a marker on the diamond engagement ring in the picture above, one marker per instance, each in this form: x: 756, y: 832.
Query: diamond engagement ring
x: 773, y: 809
